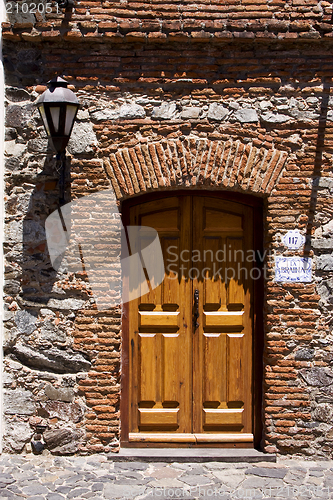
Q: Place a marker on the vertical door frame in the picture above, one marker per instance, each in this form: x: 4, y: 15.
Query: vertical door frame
x: 258, y: 303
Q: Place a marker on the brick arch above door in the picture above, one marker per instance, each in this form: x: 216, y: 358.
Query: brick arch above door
x: 193, y: 162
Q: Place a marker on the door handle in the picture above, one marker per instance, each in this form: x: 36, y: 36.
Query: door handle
x: 196, y: 309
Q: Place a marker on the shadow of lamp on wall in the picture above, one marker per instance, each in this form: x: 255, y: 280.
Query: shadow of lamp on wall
x: 58, y: 107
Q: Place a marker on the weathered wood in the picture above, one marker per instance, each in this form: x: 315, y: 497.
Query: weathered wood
x: 192, y: 384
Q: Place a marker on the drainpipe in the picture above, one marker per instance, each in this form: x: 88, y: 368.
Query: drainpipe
x: 2, y: 139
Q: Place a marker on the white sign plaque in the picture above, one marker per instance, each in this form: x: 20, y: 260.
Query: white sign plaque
x: 293, y: 269
x: 293, y: 239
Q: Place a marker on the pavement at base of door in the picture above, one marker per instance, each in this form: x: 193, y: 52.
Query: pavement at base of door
x: 97, y: 478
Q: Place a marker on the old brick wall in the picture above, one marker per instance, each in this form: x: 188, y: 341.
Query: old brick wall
x: 246, y: 116
x: 120, y: 21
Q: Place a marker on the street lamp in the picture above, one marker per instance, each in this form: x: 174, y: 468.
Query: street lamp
x: 58, y: 107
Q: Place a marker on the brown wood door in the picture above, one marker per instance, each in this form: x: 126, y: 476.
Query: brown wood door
x: 190, y: 378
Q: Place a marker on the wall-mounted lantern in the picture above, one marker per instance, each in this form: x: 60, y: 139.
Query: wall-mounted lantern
x: 58, y: 107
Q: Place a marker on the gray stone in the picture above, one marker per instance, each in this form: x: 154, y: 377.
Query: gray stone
x: 258, y: 482
x: 14, y: 230
x: 194, y: 480
x: 18, y: 402
x: 317, y: 471
x: 59, y: 393
x: 305, y: 115
x: 105, y: 114
x: 316, y: 376
x: 198, y: 469
x: 267, y: 472
x: 323, y: 243
x: 37, y: 145
x: 264, y: 105
x: 118, y: 491
x: 66, y: 304
x: 12, y: 163
x: 17, y: 95
x: 34, y: 488
x: 51, y: 333
x: 216, y: 491
x: 167, y: 111
x: 323, y: 413
x: 53, y: 359
x: 231, y: 478
x: 12, y: 287
x: 67, y: 412
x: 269, y: 117
x: 323, y: 182
x: 97, y: 487
x: 15, y: 149
x: 6, y: 479
x: 55, y: 496
x: 82, y: 138
x: 131, y: 465
x: 131, y: 111
x: 63, y: 489
x: 126, y: 480
x: 82, y: 114
x: 55, y: 438
x: 135, y: 475
x: 34, y: 232
x: 16, y: 435
x: 217, y: 112
x: 190, y: 112
x: 77, y: 492
x: 246, y: 115
x: 325, y: 262
x: 304, y: 354
x: 233, y: 105
x: 295, y: 476
x: 107, y: 479
x: 25, y: 321
x: 165, y: 472
x: 18, y: 116
x: 167, y: 482
x: 14, y: 488
x: 328, y: 228
x: 10, y: 134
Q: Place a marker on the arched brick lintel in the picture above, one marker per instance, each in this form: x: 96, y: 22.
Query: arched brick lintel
x: 194, y: 162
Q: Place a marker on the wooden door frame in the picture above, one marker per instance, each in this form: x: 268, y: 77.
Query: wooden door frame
x: 258, y: 305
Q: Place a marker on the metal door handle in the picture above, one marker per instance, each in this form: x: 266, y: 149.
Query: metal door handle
x: 196, y: 309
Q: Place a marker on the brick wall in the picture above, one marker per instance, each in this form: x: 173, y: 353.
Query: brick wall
x: 256, y: 118
x: 160, y: 21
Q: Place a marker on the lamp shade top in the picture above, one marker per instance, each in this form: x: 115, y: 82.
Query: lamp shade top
x: 57, y: 92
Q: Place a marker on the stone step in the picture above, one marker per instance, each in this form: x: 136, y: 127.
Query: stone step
x: 190, y: 455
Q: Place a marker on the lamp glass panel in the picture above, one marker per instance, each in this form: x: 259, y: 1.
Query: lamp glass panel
x: 55, y: 113
x: 70, y: 116
x: 43, y: 115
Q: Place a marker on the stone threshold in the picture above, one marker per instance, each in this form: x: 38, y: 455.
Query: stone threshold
x: 191, y: 455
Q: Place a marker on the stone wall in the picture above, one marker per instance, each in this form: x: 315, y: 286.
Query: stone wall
x: 251, y: 118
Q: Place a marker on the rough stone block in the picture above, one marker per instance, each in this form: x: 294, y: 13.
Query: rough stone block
x: 18, y: 402
x: 217, y: 112
x: 246, y: 115
x: 167, y: 111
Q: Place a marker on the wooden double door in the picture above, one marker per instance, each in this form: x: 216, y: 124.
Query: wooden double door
x: 189, y: 346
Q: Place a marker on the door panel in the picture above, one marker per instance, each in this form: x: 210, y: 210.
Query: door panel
x: 187, y: 384
x: 222, y: 364
x: 160, y: 329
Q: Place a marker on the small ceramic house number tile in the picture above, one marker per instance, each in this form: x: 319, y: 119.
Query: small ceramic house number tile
x: 293, y: 239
